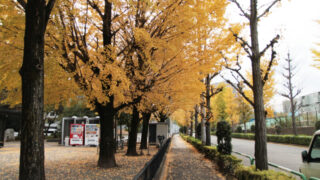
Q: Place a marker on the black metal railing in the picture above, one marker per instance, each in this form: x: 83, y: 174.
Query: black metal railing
x: 151, y: 168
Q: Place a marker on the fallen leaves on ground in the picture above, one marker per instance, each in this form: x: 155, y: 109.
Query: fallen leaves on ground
x: 74, y: 163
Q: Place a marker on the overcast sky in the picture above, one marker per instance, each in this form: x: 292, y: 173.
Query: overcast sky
x: 296, y: 22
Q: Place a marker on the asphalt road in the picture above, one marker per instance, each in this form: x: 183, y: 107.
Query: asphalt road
x: 285, y: 155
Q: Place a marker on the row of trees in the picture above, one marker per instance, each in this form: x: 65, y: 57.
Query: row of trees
x: 139, y: 56
x: 252, y: 88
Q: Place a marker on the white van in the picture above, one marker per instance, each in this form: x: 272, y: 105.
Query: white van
x: 311, y: 159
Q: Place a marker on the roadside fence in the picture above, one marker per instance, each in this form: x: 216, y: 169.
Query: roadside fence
x: 152, y: 168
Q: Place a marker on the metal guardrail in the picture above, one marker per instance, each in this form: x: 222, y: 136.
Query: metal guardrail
x: 246, y: 155
x: 301, y: 175
x: 252, y: 159
x: 152, y: 167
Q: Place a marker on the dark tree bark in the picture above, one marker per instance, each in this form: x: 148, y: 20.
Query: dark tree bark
x: 210, y: 92
x: 191, y: 128
x: 37, y: 14
x: 107, y: 19
x: 132, y: 142
x: 120, y: 131
x: 203, y: 128
x: 2, y: 128
x: 259, y: 77
x: 259, y: 112
x: 208, y: 97
x: 196, y: 112
x: 115, y: 129
x: 107, y: 143
x: 145, y: 127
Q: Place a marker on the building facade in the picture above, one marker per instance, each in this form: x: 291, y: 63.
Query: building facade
x: 309, y: 103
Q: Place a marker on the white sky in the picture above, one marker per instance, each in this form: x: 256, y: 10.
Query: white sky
x: 295, y: 22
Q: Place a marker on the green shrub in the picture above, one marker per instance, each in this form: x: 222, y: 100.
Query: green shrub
x: 287, y: 139
x: 252, y: 128
x: 183, y: 130
x: 231, y: 166
x: 224, y: 137
x: 227, y: 163
x: 249, y: 173
x: 198, y: 131
x: 317, y: 125
x: 239, y: 129
x: 278, y: 129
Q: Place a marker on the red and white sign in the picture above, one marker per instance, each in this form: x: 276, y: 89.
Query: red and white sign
x: 76, y: 134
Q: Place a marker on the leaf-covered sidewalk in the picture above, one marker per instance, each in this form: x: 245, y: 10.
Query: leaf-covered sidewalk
x: 185, y: 162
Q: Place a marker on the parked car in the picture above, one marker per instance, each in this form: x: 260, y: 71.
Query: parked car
x: 311, y: 159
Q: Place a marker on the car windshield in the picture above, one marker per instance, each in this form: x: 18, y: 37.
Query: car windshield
x: 315, y: 150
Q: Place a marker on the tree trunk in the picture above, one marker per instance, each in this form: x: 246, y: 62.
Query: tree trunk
x: 107, y: 112
x: 191, y: 128
x: 203, y: 131
x: 132, y: 142
x: 291, y: 98
x: 120, y: 131
x: 208, y: 136
x: 115, y: 134
x: 32, y: 75
x: 260, y: 122
x: 107, y: 144
x: 196, y: 120
x: 2, y: 128
x: 145, y: 127
x: 293, y: 117
x: 259, y: 112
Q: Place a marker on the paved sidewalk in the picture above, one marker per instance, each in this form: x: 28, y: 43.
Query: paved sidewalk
x: 185, y: 162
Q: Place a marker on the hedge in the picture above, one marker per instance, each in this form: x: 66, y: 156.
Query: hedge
x: 231, y: 166
x: 286, y: 139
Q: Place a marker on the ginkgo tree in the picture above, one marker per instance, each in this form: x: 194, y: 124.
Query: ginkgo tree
x: 252, y: 49
x: 155, y: 50
x: 37, y: 13
x: 211, y: 38
x: 232, y: 106
x: 87, y: 51
x: 58, y: 84
x: 116, y: 59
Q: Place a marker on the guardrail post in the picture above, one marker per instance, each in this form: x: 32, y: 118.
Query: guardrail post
x: 252, y: 161
x: 314, y: 178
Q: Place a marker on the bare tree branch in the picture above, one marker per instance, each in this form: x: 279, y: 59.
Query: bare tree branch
x: 268, y: 70
x: 240, y: 90
x: 96, y: 7
x: 49, y: 8
x: 241, y: 9
x: 215, y: 91
x: 237, y: 71
x: 268, y: 8
x: 244, y: 44
x: 271, y: 44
